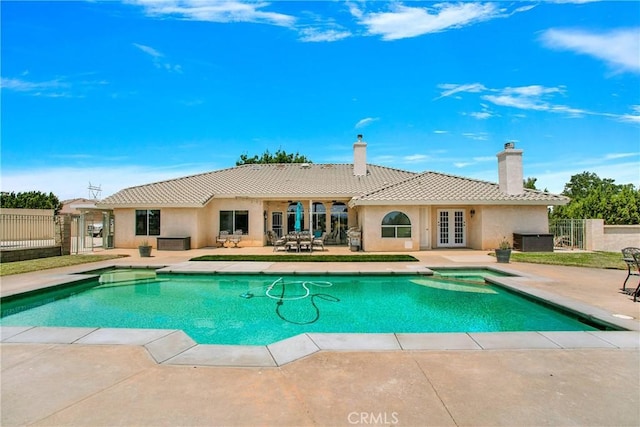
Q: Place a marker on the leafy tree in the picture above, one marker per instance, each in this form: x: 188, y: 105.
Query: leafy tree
x: 594, y: 197
x: 530, y: 183
x: 280, y: 156
x: 30, y: 200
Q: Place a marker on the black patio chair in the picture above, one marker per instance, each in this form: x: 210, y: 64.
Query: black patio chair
x: 636, y: 258
x: 633, y: 268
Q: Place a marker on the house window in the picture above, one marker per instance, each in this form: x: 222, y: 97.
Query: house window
x: 234, y: 220
x: 319, y: 217
x: 396, y: 225
x: 291, y: 216
x: 147, y: 222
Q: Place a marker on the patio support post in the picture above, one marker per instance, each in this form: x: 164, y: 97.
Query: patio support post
x: 311, y: 217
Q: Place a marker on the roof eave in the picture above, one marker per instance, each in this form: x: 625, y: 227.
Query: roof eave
x: 359, y: 202
x: 143, y: 205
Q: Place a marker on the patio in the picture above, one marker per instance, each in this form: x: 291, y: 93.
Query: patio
x: 58, y: 384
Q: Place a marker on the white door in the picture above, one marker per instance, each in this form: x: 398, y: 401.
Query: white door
x: 425, y: 234
x: 452, y: 228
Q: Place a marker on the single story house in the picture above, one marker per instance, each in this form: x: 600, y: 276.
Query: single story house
x: 395, y: 210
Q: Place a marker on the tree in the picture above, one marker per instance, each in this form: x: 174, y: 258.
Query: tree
x: 30, y: 200
x: 593, y: 197
x: 530, y: 183
x: 280, y: 156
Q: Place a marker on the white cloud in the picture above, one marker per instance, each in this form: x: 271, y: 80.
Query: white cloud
x: 20, y: 85
x: 531, y: 97
x: 532, y: 90
x: 221, y: 11
x: 59, y: 87
x: 614, y: 156
x: 481, y: 115
x: 451, y: 89
x: 148, y: 50
x: 366, y: 122
x: 157, y: 56
x: 440, y: 131
x: 620, y: 49
x: 322, y: 35
x: 631, y: 117
x: 477, y: 136
x: 415, y: 158
x: 404, y: 21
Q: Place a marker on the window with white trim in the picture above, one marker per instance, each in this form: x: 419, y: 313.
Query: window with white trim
x: 396, y: 225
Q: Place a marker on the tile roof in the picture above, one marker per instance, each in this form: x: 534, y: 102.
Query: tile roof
x: 276, y: 181
x: 439, y: 188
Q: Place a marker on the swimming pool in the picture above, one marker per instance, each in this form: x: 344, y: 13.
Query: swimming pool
x: 262, y: 309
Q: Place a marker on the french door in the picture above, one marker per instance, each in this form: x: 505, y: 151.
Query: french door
x: 452, y: 228
x: 276, y: 223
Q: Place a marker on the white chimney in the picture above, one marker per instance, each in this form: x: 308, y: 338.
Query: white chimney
x: 359, y: 157
x: 510, y: 176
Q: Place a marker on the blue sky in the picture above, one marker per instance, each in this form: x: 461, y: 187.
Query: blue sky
x: 125, y: 93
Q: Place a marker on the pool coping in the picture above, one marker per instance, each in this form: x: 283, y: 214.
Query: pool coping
x: 175, y: 347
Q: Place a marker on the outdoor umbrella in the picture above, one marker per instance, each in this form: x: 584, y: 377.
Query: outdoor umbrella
x: 298, y: 225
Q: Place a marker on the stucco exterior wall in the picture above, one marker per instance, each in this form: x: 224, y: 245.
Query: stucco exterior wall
x: 174, y: 222
x: 501, y: 221
x: 370, y: 218
x: 610, y: 238
x: 485, y: 228
x: 255, y: 237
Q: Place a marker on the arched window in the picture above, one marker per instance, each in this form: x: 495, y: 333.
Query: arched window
x: 396, y: 224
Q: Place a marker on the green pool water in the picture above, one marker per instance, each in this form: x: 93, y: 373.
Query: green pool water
x: 262, y: 309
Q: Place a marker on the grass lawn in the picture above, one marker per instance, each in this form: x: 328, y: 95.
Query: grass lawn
x: 578, y: 259
x: 20, y: 267
x: 308, y: 258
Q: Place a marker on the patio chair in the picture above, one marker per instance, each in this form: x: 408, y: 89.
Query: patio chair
x: 222, y: 238
x: 278, y: 242
x: 636, y: 259
x: 291, y: 242
x: 332, y: 238
x: 305, y: 242
x: 235, y: 238
x: 633, y: 268
x: 318, y: 242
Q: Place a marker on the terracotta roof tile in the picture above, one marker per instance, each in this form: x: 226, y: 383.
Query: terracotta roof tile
x: 439, y: 188
x: 260, y: 180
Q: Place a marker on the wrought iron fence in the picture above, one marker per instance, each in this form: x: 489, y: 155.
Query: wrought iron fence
x: 20, y: 231
x: 568, y: 233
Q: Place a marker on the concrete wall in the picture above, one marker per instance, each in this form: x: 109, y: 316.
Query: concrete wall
x: 610, y: 238
x: 12, y: 255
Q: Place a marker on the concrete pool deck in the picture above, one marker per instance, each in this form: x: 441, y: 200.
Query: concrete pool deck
x: 534, y: 378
